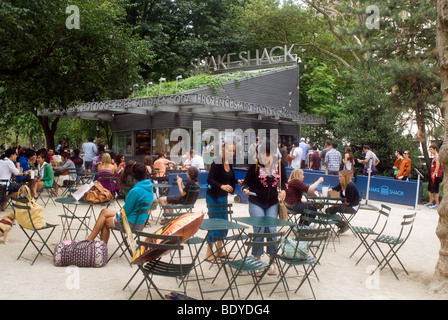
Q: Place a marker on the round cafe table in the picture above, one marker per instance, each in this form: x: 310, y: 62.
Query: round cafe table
x: 71, y: 213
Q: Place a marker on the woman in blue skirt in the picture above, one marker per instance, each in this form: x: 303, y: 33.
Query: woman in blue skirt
x: 221, y: 182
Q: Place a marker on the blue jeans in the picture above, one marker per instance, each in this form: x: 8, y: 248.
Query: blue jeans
x: 257, y: 211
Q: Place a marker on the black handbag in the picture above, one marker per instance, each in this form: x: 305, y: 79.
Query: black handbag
x: 3, y: 190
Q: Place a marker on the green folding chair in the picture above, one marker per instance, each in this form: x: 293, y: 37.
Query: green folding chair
x: 69, y: 185
x: 171, y: 266
x: 143, y: 209
x: 363, y: 233
x: 394, y: 244
x: 249, y: 265
x: 232, y: 241
x: 311, y: 237
x: 176, y: 210
x: 50, y: 192
x: 34, y: 235
x: 293, y: 216
x: 331, y: 221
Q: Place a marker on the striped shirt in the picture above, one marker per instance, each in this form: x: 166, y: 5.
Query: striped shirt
x: 333, y: 159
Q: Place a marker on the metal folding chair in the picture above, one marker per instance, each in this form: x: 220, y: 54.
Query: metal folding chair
x: 50, y: 192
x: 394, y: 244
x: 249, y: 265
x: 4, y: 193
x: 171, y: 267
x: 313, y: 237
x: 69, y: 185
x: 226, y: 209
x: 22, y: 203
x: 175, y: 210
x: 331, y: 221
x: 293, y: 216
x: 143, y: 209
x: 365, y: 232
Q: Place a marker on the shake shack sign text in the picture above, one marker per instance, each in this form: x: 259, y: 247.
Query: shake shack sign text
x: 245, y: 60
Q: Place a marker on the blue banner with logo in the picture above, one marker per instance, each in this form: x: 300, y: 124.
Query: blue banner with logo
x: 388, y: 189
x: 385, y: 189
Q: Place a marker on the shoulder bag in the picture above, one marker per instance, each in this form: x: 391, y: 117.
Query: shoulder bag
x: 98, y: 194
x: 282, y: 212
x: 36, y: 212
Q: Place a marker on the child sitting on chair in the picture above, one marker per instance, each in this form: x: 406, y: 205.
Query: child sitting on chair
x: 192, y: 175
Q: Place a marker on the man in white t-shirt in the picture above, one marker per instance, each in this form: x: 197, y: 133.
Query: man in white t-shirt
x: 196, y: 160
x: 8, y: 168
x: 296, y: 156
x: 369, y: 156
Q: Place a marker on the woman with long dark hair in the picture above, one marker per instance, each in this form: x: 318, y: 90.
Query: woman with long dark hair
x: 221, y: 182
x: 141, y: 193
x: 260, y: 184
x: 349, y: 161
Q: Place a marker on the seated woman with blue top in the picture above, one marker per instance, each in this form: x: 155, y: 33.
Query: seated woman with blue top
x: 141, y: 193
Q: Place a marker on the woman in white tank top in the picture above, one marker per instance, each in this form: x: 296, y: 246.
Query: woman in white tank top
x: 349, y: 160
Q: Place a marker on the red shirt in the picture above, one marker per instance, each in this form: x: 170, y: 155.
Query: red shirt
x: 295, y: 190
x: 315, y: 159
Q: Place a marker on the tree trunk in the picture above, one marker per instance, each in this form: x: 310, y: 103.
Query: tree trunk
x: 440, y: 281
x: 49, y: 128
x: 420, y: 119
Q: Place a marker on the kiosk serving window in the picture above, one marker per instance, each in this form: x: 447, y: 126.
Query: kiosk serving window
x: 123, y: 142
x: 143, y: 142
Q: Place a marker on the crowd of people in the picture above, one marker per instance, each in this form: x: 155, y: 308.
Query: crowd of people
x: 265, y: 182
x: 36, y: 169
x: 302, y: 155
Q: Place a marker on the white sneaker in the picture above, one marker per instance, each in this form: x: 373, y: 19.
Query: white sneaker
x: 434, y: 207
x: 429, y: 204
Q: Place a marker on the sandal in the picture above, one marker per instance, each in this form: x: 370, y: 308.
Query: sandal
x: 226, y: 257
x: 258, y: 273
x: 213, y: 261
x: 272, y: 271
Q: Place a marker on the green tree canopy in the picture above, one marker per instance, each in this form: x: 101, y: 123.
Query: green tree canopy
x: 50, y: 66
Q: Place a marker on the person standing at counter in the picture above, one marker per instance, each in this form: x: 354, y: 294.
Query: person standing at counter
x: 208, y: 153
x: 221, y: 182
x: 296, y: 156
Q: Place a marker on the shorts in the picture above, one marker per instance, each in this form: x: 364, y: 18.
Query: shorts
x: 88, y: 165
x: 14, y: 187
x: 433, y: 187
x: 23, y: 179
x: 118, y: 224
x: 174, y: 199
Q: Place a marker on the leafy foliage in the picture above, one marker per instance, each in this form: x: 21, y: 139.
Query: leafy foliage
x: 50, y: 66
